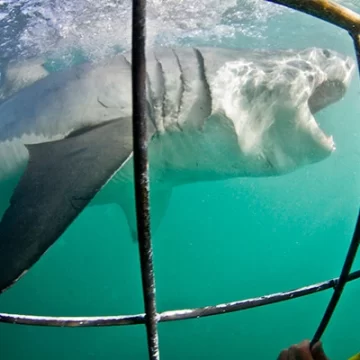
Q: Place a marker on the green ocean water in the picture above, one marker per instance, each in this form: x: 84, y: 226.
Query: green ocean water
x: 219, y: 242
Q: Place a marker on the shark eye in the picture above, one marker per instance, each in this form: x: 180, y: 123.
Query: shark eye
x: 326, y: 53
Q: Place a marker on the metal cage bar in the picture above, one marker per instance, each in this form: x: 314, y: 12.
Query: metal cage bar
x: 353, y: 248
x: 354, y: 245
x: 349, y: 21
x: 173, y: 315
x: 322, y: 9
x: 141, y: 176
x: 326, y: 10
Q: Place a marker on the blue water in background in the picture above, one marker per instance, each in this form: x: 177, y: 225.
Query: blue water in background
x: 219, y: 242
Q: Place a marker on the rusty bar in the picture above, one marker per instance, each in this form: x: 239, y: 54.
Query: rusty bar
x: 173, y: 314
x: 326, y: 10
x: 141, y: 176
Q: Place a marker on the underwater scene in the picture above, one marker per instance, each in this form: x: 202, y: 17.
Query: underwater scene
x: 261, y: 198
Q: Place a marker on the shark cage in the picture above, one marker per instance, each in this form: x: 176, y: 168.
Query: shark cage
x: 325, y: 10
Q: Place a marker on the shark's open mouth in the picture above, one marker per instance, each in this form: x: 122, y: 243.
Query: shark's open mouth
x: 328, y: 92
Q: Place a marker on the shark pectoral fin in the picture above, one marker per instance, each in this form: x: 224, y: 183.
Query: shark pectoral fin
x: 60, y: 180
x: 159, y: 202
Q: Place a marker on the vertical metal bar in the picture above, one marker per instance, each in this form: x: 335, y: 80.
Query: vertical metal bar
x: 340, y: 285
x: 141, y: 177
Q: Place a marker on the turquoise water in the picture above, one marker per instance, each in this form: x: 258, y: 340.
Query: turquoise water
x: 219, y: 242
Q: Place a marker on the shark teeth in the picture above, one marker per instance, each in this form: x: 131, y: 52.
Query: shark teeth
x: 328, y: 141
x: 331, y: 142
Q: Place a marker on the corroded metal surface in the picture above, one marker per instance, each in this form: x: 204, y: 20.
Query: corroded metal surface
x: 328, y: 11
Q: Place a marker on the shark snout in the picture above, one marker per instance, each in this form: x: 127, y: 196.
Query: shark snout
x: 349, y: 64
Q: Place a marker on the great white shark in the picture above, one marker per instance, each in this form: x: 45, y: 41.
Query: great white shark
x: 212, y: 114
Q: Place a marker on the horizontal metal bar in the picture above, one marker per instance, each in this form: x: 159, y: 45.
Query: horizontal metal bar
x: 326, y: 10
x: 173, y: 314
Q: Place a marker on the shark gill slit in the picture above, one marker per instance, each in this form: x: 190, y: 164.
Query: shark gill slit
x: 163, y: 93
x: 157, y: 94
x: 149, y: 101
x: 203, y: 78
x: 182, y: 89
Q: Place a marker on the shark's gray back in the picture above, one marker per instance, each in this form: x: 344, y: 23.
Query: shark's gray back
x: 179, y: 90
x: 249, y: 100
